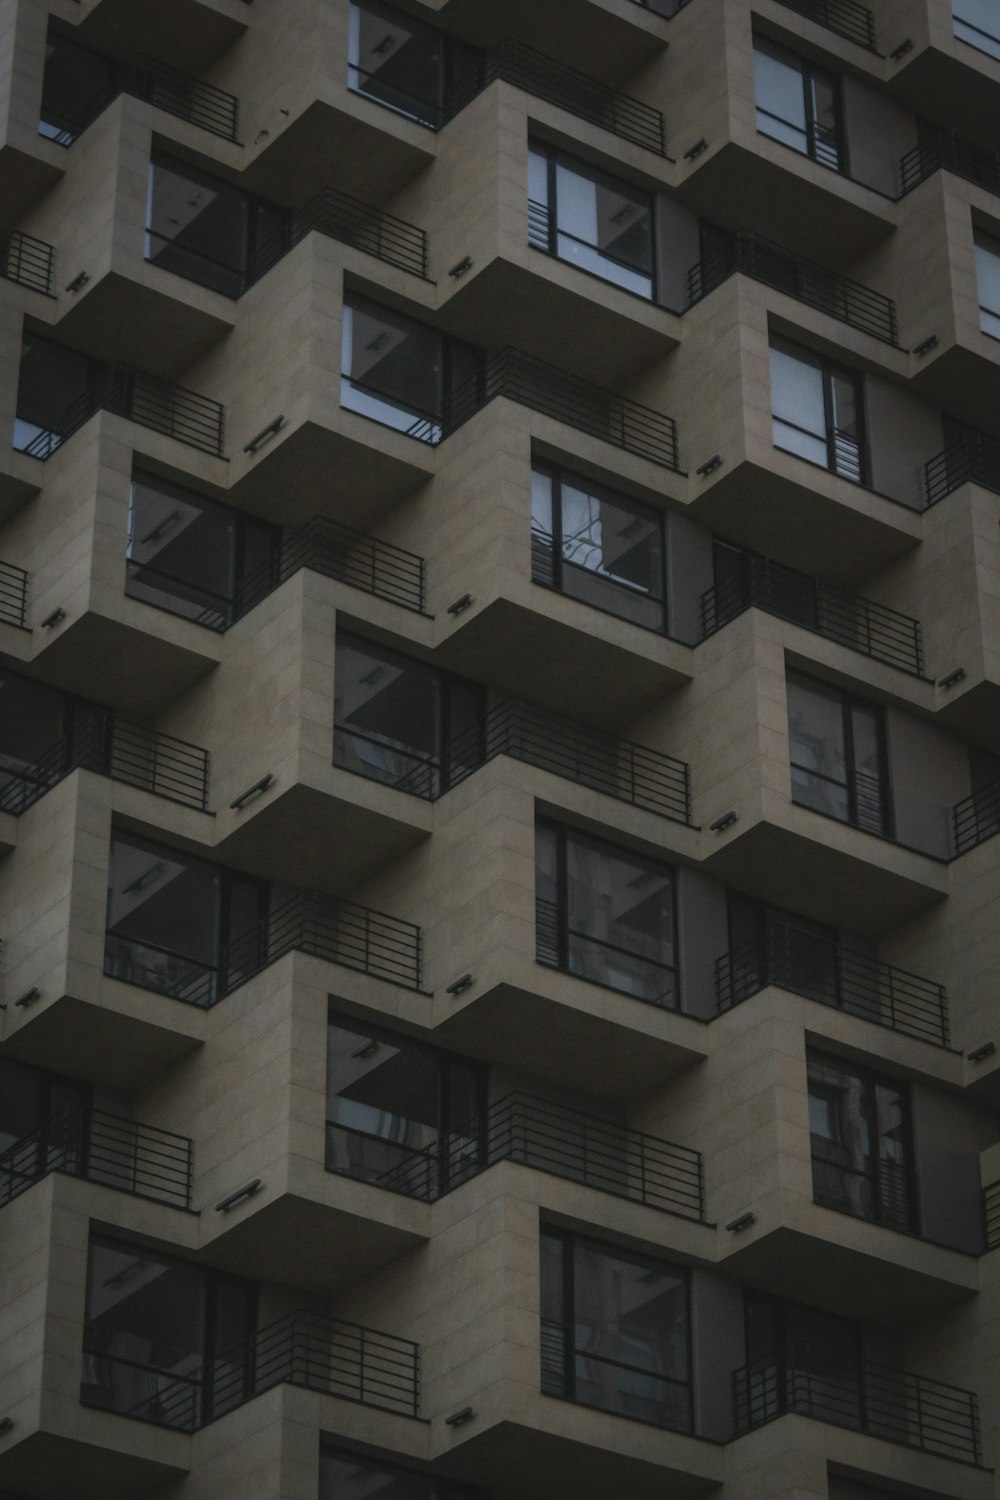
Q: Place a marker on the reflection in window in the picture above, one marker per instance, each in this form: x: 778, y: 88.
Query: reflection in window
x: 171, y: 918
x: 348, y: 1476
x: 838, y: 755
x: 860, y: 1134
x: 400, y: 721
x: 978, y: 23
x: 54, y: 385
x: 798, y: 104
x: 615, y: 1331
x: 988, y: 280
x: 190, y: 555
x: 598, y: 546
x: 594, y: 220
x: 817, y: 412
x: 400, y: 1113
x: 407, y: 66
x: 162, y: 1337
x: 606, y: 914
x: 208, y: 231
x: 402, y: 373
x: 75, y: 85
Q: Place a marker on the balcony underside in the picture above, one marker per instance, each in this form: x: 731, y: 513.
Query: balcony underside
x: 791, y: 519
x: 612, y: 1046
x: 855, y: 1269
x: 39, y: 1465
x: 569, y: 664
x: 867, y: 887
x: 24, y: 178
x: 974, y: 713
x: 375, y: 152
x: 832, y: 220
x: 340, y: 837
x: 963, y: 95
x: 582, y: 1455
x: 124, y: 1044
x: 122, y: 319
x: 575, y: 33
x: 964, y: 380
x: 353, y: 476
x: 549, y: 308
x: 188, y: 35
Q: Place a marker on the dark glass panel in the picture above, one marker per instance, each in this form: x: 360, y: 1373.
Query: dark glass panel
x: 75, y: 84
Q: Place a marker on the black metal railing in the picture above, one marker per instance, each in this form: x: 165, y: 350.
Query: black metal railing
x: 28, y: 261
x: 944, y: 149
x: 567, y: 398
x: 545, y: 233
x: 113, y: 747
x: 343, y: 554
x: 991, y: 1214
x: 885, y: 1402
x: 139, y: 1159
x: 185, y: 415
x: 884, y: 1192
x: 976, y: 818
x: 828, y: 610
x: 808, y: 282
x: 560, y: 945
x: 574, y: 1371
x: 13, y: 595
x: 819, y: 969
x: 541, y: 75
x: 628, y: 772
x: 167, y: 88
x: 846, y: 17
x: 354, y: 222
x: 535, y: 1133
x: 973, y: 459
x: 310, y: 1349
x: 339, y: 931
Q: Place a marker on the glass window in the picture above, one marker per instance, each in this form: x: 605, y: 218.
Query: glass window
x: 55, y: 385
x: 816, y: 411
x: 76, y: 84
x: 157, y: 1335
x: 837, y: 755
x: 800, y: 1359
x: 33, y: 719
x: 347, y: 1476
x: 399, y: 1113
x: 170, y: 918
x: 768, y: 945
x: 598, y: 546
x: 798, y: 104
x: 207, y: 230
x: 407, y: 66
x: 978, y: 23
x: 190, y: 555
x: 592, y: 219
x: 615, y: 1330
x: 988, y: 279
x: 404, y: 374
x: 400, y: 721
x: 606, y: 914
x: 860, y: 1133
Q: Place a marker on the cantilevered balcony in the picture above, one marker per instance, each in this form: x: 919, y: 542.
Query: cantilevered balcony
x: 973, y: 459
x: 305, y: 1348
x: 815, y: 285
x: 975, y: 819
x: 877, y: 1399
x: 807, y: 964
x: 535, y: 1133
x: 28, y: 261
x: 340, y: 932
x: 13, y: 595
x: 113, y: 747
x: 339, y: 552
x: 944, y: 149
x: 589, y: 757
x: 829, y: 611
x: 90, y: 1143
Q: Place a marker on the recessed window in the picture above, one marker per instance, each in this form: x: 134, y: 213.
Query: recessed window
x: 207, y: 230
x: 859, y: 1128
x: 838, y: 756
x: 407, y: 66
x: 615, y: 1330
x: 817, y: 411
x: 590, y: 218
x: 798, y: 104
x: 988, y: 281
x: 598, y: 546
x: 606, y: 914
x: 978, y: 23
x: 348, y: 1476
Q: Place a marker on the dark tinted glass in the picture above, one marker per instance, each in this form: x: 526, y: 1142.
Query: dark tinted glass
x: 53, y: 383
x: 33, y: 718
x: 197, y: 226
x: 396, y: 61
x: 75, y: 84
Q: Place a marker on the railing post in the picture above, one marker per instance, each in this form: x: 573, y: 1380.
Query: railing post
x: 361, y: 1365
x: 642, y: 1167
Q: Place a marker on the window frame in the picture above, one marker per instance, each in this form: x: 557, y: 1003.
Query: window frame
x: 809, y: 72
x: 849, y: 702
x: 829, y: 372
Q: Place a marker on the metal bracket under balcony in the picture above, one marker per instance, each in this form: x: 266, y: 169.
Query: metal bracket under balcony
x: 812, y: 966
x: 805, y: 280
x: 142, y: 1160
x: 829, y: 611
x: 535, y: 1133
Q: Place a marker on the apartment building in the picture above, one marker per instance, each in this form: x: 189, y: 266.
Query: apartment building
x: 499, y: 749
